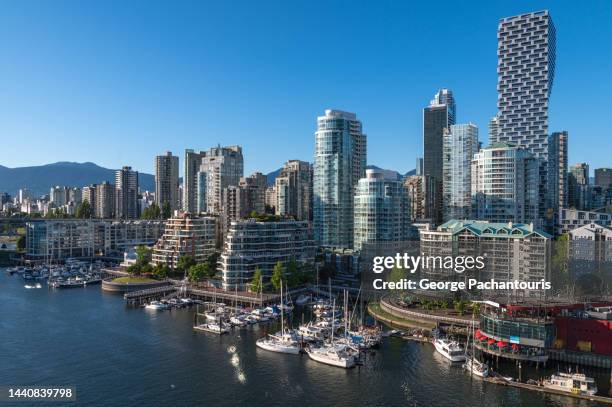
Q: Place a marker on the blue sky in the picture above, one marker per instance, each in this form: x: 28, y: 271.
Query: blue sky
x: 118, y: 82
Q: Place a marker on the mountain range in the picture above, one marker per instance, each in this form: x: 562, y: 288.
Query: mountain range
x: 39, y: 179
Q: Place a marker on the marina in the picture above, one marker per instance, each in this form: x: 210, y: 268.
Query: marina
x: 250, y: 363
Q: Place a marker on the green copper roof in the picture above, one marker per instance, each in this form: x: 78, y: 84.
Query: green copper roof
x: 485, y: 228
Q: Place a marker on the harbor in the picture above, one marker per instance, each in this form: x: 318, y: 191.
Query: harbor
x: 404, y: 360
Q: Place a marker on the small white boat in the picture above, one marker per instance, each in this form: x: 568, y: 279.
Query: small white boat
x: 476, y: 367
x: 281, y: 343
x: 212, y: 327
x: 576, y: 383
x: 332, y: 355
x: 156, y: 305
x: 30, y: 286
x: 451, y: 350
x: 238, y: 320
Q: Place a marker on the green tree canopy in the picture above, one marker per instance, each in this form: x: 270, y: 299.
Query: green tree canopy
x: 197, y: 272
x: 256, y: 281
x: 143, y: 254
x: 84, y: 210
x: 166, y: 210
x: 152, y: 212
x: 277, y: 275
x: 21, y: 243
x: 161, y: 271
x: 185, y: 262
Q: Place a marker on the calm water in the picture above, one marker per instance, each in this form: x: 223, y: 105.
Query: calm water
x: 118, y: 356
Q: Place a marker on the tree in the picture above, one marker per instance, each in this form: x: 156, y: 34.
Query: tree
x: 197, y: 272
x: 143, y: 255
x: 277, y: 275
x: 84, y: 210
x: 166, y: 210
x: 459, y: 306
x: 256, y: 281
x: 152, y: 212
x: 21, y: 243
x: 161, y: 271
x: 185, y: 262
x: 133, y: 270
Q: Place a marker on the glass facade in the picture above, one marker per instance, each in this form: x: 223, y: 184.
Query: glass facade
x: 460, y: 145
x: 339, y: 162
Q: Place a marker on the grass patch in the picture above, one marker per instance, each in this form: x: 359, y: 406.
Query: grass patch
x: 133, y: 280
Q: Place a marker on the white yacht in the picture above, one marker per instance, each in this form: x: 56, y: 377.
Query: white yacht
x: 576, y: 383
x: 238, y: 320
x: 212, y: 327
x: 282, y: 342
x: 333, y: 355
x: 450, y: 350
x: 476, y: 367
x: 310, y: 332
x: 156, y: 305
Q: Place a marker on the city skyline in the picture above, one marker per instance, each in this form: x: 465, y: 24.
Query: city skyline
x: 390, y: 108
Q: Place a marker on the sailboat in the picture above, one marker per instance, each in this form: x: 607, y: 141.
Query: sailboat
x: 472, y: 364
x: 331, y: 353
x: 283, y: 341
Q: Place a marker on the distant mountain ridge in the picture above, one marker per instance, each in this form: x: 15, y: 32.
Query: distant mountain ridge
x: 39, y: 179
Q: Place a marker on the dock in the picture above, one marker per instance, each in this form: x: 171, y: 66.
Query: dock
x: 542, y: 389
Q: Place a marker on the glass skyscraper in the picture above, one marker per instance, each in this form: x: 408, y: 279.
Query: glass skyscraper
x: 381, y: 209
x: 439, y: 115
x: 339, y: 162
x: 460, y: 145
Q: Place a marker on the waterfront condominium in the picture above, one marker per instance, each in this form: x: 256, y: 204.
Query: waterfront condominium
x: 89, y: 194
x: 186, y: 235
x: 511, y: 251
x: 294, y: 190
x: 126, y: 193
x: 438, y: 116
x: 603, y: 177
x: 459, y: 146
x: 220, y: 167
x: 167, y: 180
x: 250, y: 245
x: 526, y: 69
x: 339, y: 163
x: 505, y: 182
x: 381, y: 209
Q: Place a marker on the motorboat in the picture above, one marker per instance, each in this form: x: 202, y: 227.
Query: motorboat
x: 332, y: 355
x: 576, y: 383
x: 451, y: 350
x: 156, y: 305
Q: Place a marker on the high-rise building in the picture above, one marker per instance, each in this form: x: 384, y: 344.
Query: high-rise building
x: 75, y: 195
x: 105, y: 200
x: 167, y: 180
x: 294, y: 190
x: 505, y: 182
x: 126, y: 194
x: 193, y: 159
x: 603, y: 177
x: 460, y: 145
x: 59, y: 195
x: 415, y: 189
x: 250, y: 245
x: 526, y: 70
x: 419, y: 166
x: 578, y: 186
x: 242, y: 199
x: 339, y: 162
x: 220, y: 168
x: 381, y: 209
x: 89, y: 195
x: 493, y: 129
x: 438, y: 116
x: 557, y: 177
